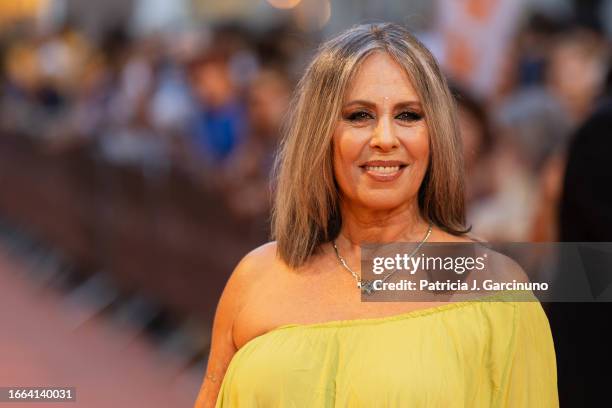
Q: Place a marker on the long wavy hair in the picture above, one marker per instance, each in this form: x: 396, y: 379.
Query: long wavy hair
x: 306, y: 210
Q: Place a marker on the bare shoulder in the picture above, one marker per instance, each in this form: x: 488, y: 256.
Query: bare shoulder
x: 498, y: 265
x: 253, y: 269
x: 249, y: 275
x: 264, y: 255
x: 246, y: 276
x: 503, y: 268
x: 258, y: 265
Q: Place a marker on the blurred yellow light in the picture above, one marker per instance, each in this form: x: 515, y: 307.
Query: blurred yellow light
x: 18, y: 9
x: 284, y: 4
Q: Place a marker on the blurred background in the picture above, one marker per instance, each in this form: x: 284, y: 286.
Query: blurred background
x: 137, y: 136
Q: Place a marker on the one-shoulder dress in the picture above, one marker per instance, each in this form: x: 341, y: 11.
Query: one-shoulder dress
x: 494, y: 353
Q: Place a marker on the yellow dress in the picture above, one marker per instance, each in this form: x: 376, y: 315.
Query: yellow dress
x: 490, y: 353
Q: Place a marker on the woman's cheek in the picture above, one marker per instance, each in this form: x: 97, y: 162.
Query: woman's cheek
x: 347, y: 151
x: 417, y: 145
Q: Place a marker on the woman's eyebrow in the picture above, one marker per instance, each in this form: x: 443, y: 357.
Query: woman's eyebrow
x: 360, y: 102
x: 408, y: 104
x: 369, y: 104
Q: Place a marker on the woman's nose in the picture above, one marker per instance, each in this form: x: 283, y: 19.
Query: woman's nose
x: 383, y: 136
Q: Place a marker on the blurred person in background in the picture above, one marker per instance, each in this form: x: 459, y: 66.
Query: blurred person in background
x: 97, y: 86
x: 42, y: 81
x: 220, y: 122
x: 130, y: 135
x: 524, y: 65
x: 478, y: 141
x: 172, y: 104
x: 246, y: 175
x: 21, y: 82
x: 92, y: 97
x: 582, y: 334
x: 576, y: 71
x: 528, y: 132
x: 575, y: 77
x: 532, y: 123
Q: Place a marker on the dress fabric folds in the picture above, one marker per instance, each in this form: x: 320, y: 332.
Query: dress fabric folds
x: 493, y: 353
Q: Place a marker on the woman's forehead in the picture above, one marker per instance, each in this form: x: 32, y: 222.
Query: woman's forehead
x: 380, y: 78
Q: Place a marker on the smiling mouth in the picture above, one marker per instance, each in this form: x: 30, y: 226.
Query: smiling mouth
x: 383, y: 170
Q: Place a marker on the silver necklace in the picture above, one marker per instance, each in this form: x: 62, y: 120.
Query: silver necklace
x: 366, y: 286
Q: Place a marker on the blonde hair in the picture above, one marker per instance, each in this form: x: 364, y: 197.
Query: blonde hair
x: 306, y: 211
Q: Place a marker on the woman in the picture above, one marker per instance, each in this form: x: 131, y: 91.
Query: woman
x: 371, y: 154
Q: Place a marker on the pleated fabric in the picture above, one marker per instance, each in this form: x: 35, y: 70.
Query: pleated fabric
x: 494, y: 353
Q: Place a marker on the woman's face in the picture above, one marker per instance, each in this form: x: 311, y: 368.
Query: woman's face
x: 381, y: 143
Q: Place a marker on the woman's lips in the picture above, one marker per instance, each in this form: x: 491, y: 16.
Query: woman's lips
x: 383, y: 171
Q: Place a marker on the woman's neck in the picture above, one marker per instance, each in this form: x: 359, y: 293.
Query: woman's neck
x: 366, y: 225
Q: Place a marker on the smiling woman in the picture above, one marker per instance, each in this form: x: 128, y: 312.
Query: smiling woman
x: 371, y: 153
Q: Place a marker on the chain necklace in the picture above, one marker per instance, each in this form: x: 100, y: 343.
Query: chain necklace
x: 365, y: 285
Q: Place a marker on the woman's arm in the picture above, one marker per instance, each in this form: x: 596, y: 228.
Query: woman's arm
x: 222, y: 347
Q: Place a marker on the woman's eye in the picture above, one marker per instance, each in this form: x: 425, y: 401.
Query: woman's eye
x: 358, y: 116
x: 409, y: 116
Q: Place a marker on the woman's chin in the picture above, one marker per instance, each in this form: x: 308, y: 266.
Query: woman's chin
x: 382, y: 202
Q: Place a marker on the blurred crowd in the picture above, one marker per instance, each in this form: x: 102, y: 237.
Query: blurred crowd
x: 515, y: 141
x: 209, y: 101
x: 213, y: 101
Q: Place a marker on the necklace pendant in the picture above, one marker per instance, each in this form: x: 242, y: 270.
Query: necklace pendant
x: 366, y: 287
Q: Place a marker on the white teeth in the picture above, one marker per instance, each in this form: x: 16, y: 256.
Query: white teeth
x: 382, y: 169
